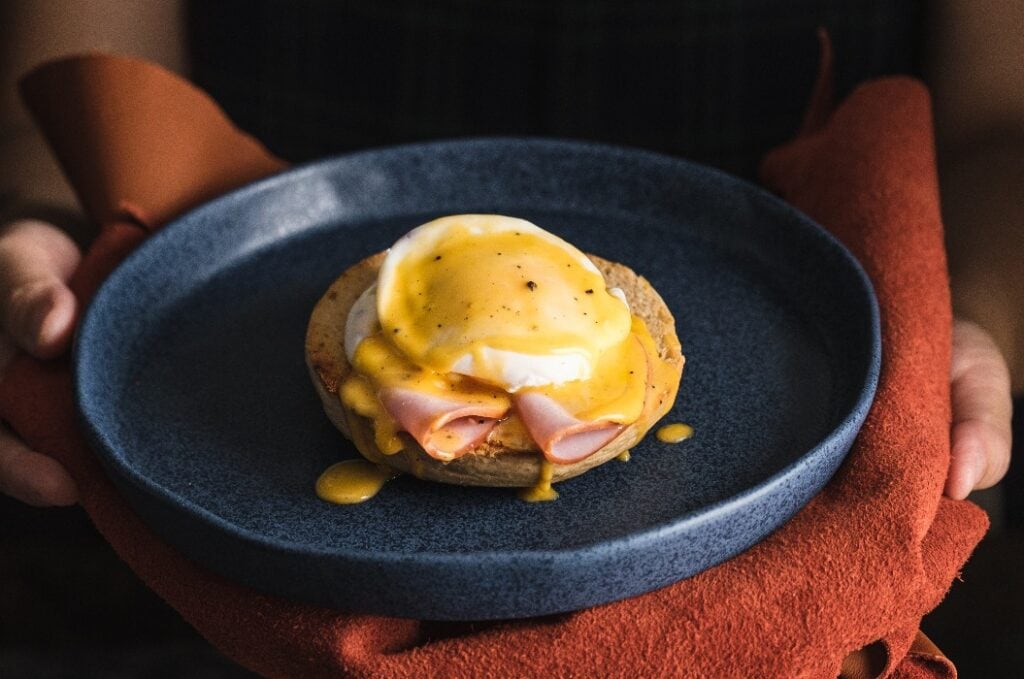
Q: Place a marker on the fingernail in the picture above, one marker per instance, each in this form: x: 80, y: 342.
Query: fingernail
x: 970, y: 480
x: 963, y: 469
x: 973, y: 472
x: 39, y: 315
x: 979, y: 468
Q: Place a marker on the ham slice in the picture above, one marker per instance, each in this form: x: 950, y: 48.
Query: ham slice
x: 446, y: 428
x: 563, y: 438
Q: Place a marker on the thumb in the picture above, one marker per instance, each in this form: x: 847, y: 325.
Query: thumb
x: 982, y: 409
x: 36, y: 307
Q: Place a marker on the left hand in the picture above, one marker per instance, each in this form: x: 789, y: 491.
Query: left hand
x: 37, y: 315
x: 982, y: 409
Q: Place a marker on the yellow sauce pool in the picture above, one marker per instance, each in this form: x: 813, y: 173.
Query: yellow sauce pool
x: 352, y: 481
x: 674, y: 433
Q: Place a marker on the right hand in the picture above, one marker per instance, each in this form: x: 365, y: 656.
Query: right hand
x: 37, y: 315
x: 982, y: 409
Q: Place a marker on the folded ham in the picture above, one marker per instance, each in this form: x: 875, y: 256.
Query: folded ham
x: 446, y: 428
x: 563, y: 438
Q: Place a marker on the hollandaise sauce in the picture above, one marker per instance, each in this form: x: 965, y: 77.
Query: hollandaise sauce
x: 352, y: 481
x: 674, y: 433
x: 468, y: 290
x: 624, y: 456
x: 542, y: 490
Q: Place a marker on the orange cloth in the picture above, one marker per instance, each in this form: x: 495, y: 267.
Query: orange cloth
x: 871, y: 554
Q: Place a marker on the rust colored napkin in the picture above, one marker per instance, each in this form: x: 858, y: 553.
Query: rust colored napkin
x: 860, y: 564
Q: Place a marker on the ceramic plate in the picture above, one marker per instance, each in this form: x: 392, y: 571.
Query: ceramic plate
x: 191, y: 382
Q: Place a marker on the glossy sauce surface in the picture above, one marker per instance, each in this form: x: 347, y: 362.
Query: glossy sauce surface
x: 462, y: 285
x: 542, y: 490
x: 352, y: 481
x: 674, y: 433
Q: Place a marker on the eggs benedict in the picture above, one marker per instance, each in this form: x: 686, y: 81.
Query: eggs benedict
x: 484, y: 350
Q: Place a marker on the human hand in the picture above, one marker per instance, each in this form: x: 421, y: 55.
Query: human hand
x: 982, y: 410
x: 37, y: 314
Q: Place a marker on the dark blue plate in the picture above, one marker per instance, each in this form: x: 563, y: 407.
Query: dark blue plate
x: 192, y: 386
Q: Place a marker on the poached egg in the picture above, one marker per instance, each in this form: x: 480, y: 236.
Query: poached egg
x: 494, y: 298
x: 470, y: 313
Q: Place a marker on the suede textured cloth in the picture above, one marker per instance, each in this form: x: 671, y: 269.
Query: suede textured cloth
x: 858, y: 567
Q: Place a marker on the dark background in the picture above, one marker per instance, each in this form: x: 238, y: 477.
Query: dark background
x: 715, y: 81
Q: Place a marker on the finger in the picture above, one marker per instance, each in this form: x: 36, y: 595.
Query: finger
x: 36, y: 307
x: 982, y: 411
x: 40, y: 316
x: 31, y: 477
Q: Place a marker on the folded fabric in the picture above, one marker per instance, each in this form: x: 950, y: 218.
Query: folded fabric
x: 862, y: 563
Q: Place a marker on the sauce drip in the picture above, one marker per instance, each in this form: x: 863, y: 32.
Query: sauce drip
x: 624, y: 456
x: 542, y: 490
x: 674, y: 433
x: 352, y: 481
